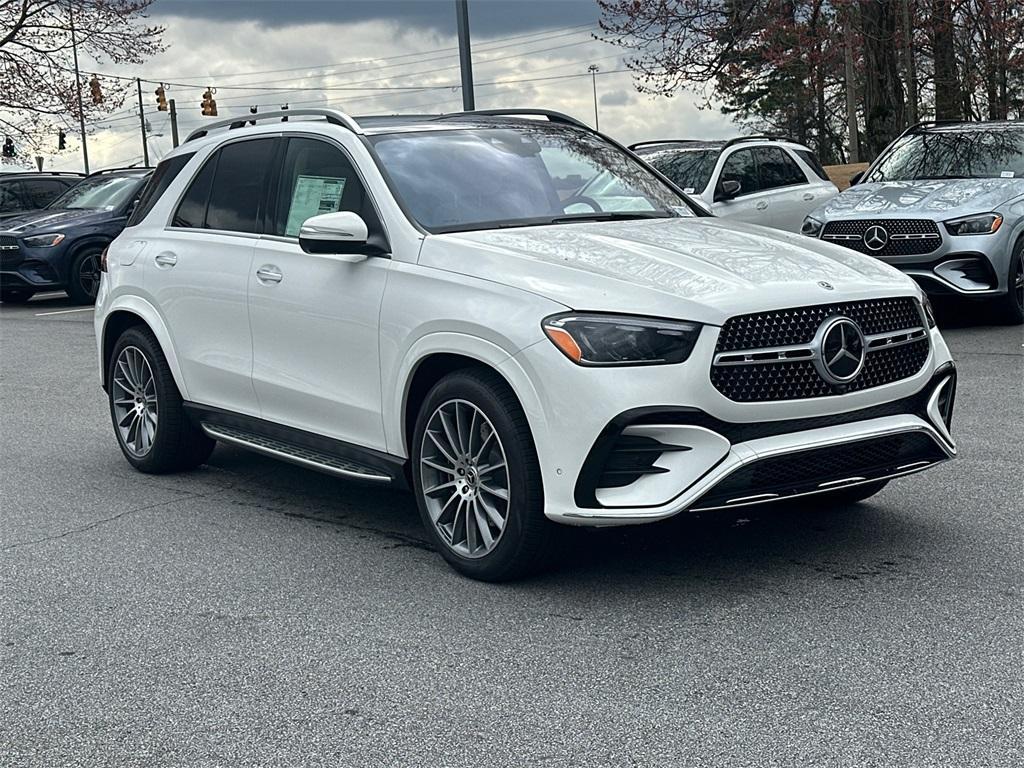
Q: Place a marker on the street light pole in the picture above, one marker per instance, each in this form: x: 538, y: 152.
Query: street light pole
x: 78, y: 84
x: 593, y: 69
x: 465, y: 56
x: 142, y: 125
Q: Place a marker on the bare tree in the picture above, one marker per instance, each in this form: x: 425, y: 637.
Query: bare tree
x: 36, y: 67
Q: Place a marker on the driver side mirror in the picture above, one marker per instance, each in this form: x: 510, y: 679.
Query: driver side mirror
x: 343, y: 234
x: 855, y: 179
x: 727, y: 190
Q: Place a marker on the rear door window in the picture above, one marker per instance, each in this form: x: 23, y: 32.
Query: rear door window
x: 742, y: 167
x: 777, y: 168
x: 239, y: 184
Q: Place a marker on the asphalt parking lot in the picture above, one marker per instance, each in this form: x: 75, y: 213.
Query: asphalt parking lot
x: 254, y: 613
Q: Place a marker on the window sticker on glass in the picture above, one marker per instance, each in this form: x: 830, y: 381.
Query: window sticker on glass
x: 1006, y: 174
x: 312, y: 196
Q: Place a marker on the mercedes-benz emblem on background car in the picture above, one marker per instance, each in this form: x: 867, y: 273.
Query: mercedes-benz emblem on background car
x: 841, y: 350
x: 876, y: 237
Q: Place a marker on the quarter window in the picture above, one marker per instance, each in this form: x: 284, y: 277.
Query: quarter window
x: 316, y: 178
x: 165, y: 173
x: 192, y: 208
x: 777, y: 168
x: 740, y: 166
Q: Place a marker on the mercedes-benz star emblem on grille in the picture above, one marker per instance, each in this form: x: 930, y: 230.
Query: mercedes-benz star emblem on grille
x: 826, y: 285
x: 876, y: 237
x: 841, y: 350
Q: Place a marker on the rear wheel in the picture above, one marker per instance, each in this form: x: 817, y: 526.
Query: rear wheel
x: 14, y: 296
x: 1011, y: 305
x: 477, y: 480
x: 152, y: 428
x: 84, y: 280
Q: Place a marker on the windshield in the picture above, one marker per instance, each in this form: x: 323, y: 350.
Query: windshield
x: 513, y: 176
x: 964, y: 155
x: 688, y: 169
x: 102, y: 193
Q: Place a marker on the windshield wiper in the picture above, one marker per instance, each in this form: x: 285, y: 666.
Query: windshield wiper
x: 610, y: 216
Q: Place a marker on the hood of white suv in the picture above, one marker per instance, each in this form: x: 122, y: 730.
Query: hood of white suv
x: 702, y: 269
x: 938, y: 199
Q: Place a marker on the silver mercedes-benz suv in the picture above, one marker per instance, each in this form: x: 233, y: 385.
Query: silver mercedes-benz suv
x: 944, y: 203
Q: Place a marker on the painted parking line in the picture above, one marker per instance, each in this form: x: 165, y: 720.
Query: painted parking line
x: 65, y: 311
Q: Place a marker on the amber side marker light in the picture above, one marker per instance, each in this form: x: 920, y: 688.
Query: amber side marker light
x: 565, y: 342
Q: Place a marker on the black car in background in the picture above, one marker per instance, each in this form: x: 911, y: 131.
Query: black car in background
x: 59, y: 247
x: 31, y: 191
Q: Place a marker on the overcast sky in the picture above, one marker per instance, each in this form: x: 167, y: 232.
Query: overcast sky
x: 383, y: 56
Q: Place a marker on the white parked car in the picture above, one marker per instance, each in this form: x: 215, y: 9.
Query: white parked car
x: 759, y: 179
x: 422, y: 301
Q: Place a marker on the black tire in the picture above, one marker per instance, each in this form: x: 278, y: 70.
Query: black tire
x: 524, y: 544
x: 1010, y: 306
x: 178, y: 444
x: 14, y: 296
x: 84, y: 277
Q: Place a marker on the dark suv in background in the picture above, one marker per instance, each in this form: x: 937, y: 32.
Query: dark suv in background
x: 31, y: 191
x: 59, y: 247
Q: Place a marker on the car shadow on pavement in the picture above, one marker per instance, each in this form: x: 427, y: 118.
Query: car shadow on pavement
x: 727, y: 550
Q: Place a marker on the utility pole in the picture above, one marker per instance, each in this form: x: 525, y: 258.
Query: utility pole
x: 465, y: 57
x: 593, y: 69
x: 78, y: 85
x: 142, y: 124
x: 174, y: 122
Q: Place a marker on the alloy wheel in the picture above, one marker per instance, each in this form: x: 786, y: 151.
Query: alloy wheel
x: 135, y: 401
x: 89, y: 274
x: 1018, y: 280
x: 465, y: 480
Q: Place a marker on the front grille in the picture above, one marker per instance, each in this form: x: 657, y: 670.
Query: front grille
x: 9, y: 251
x: 906, y: 237
x: 806, y: 471
x: 798, y: 379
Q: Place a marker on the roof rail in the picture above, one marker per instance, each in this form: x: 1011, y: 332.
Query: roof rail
x: 759, y: 137
x: 668, y: 141
x: 27, y: 172
x: 552, y: 116
x: 333, y: 116
x: 122, y: 168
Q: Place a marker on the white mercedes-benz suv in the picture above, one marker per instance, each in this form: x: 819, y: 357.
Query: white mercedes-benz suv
x: 432, y: 301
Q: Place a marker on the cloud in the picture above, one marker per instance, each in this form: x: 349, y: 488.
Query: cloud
x: 417, y: 67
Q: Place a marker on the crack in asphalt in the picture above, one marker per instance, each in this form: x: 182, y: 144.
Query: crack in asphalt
x: 111, y: 519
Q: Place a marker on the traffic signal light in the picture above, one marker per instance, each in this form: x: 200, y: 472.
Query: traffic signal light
x: 94, y: 88
x: 62, y: 139
x: 8, y: 150
x: 161, y: 99
x: 209, y: 105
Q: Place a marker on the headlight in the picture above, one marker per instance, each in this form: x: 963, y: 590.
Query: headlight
x: 980, y: 224
x: 929, y: 313
x: 811, y: 227
x: 596, y: 340
x: 43, y: 241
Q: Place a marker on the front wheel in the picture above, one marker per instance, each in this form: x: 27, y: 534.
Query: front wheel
x: 152, y: 428
x: 84, y: 280
x: 1011, y: 305
x: 477, y: 480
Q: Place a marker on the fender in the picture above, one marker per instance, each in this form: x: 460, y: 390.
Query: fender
x: 138, y: 306
x: 97, y: 239
x: 467, y: 345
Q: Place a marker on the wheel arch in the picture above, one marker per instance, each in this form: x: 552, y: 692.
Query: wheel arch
x: 79, y: 245
x: 434, y: 357
x: 132, y: 311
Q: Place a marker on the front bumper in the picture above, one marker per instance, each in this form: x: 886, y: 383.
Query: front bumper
x: 704, y: 451
x: 33, y: 269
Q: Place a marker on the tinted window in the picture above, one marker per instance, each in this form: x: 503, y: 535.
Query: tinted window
x: 192, y: 208
x: 812, y: 161
x: 315, y: 178
x: 777, y: 168
x: 740, y: 166
x: 518, y: 175
x: 968, y: 154
x: 39, y: 193
x: 689, y: 169
x: 10, y: 200
x: 238, y: 185
x: 162, y: 177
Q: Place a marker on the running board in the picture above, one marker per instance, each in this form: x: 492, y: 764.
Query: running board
x: 296, y: 454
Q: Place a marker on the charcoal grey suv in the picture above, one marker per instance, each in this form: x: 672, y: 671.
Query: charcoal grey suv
x: 945, y: 204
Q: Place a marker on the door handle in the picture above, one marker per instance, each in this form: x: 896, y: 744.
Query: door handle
x: 166, y: 259
x: 761, y: 205
x: 268, y: 273
x: 808, y: 196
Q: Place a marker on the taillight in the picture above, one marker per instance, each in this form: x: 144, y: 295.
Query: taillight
x: 103, y: 259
